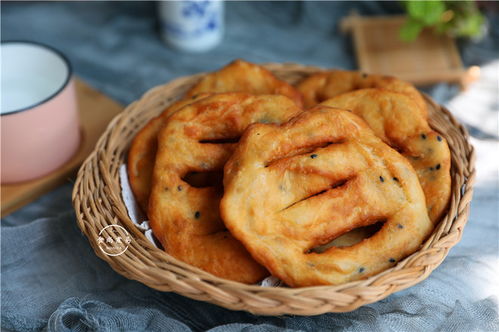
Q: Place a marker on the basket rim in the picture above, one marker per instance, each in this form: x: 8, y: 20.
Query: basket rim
x: 453, y: 234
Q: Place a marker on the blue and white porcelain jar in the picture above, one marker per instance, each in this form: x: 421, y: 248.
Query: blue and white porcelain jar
x: 194, y: 25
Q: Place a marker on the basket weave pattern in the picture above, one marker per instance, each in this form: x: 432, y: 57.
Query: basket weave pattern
x: 98, y: 203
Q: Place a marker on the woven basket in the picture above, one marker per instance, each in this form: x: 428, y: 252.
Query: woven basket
x: 98, y: 203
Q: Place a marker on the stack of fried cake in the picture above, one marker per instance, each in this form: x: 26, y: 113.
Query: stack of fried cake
x: 331, y: 181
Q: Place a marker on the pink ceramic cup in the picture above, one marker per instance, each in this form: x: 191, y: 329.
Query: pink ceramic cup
x: 39, y: 117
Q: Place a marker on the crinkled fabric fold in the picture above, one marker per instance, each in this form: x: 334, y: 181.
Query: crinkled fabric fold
x: 76, y: 314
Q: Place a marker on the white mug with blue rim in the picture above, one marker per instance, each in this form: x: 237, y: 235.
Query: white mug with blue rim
x: 192, y: 26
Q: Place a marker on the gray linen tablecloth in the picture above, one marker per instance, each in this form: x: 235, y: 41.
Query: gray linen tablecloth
x: 51, y: 279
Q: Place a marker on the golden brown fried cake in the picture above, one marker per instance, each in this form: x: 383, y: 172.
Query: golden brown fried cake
x: 143, y: 152
x: 293, y: 187
x: 395, y: 119
x: 325, y: 85
x: 239, y: 76
x: 242, y: 76
x: 184, y: 213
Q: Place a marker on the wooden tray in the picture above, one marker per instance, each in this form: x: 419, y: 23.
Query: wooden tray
x: 96, y: 110
x: 429, y: 59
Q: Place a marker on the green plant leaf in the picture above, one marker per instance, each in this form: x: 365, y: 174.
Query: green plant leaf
x: 466, y: 19
x: 410, y: 30
x: 471, y: 26
x: 427, y: 12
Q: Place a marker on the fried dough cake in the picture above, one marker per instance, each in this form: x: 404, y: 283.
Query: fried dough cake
x: 184, y: 214
x: 143, y: 149
x: 395, y: 118
x: 321, y: 86
x: 293, y: 187
x: 238, y: 76
x: 243, y: 76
